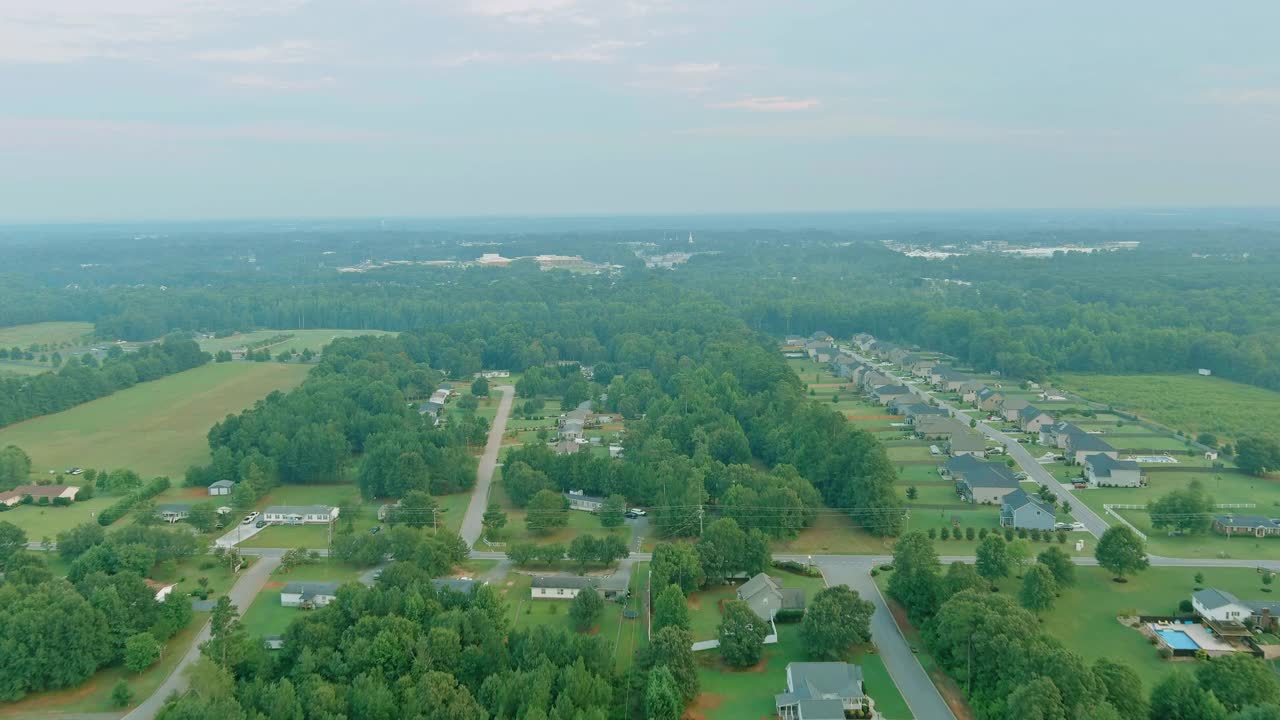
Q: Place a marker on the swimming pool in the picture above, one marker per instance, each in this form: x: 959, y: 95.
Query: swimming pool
x: 1178, y: 640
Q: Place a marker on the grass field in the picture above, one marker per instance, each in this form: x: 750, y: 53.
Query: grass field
x: 48, y: 521
x: 266, y: 616
x: 154, y: 428
x: 47, y: 333
x: 1187, y: 402
x: 314, y: 340
x: 22, y: 368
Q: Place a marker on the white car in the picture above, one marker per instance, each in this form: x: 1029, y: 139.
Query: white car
x: 249, y: 518
x: 637, y: 511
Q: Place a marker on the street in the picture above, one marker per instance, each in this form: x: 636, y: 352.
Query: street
x: 472, y: 522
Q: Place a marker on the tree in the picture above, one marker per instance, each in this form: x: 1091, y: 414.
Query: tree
x: 741, y: 634
x: 1258, y: 455
x: 673, y: 647
x: 721, y: 550
x: 586, y: 608
x: 1038, y: 589
x: 914, y: 581
x: 1018, y: 552
x: 547, y: 511
x: 1121, y: 551
x: 12, y: 541
x: 15, y: 466
x: 141, y: 651
x: 583, y: 550
x: 962, y: 576
x: 834, y: 621
x: 1187, y: 510
x: 670, y: 609
x: 121, y: 695
x: 493, y: 522
x: 522, y: 553
x: 912, y: 492
x: 662, y: 696
x: 1059, y: 563
x: 613, y: 512
x: 1258, y: 712
x: 1178, y: 697
x: 203, y: 516
x: 417, y: 509
x: 1037, y: 699
x: 480, y: 387
x: 992, y: 558
x: 676, y: 564
x: 1123, y: 689
x: 610, y: 548
x: 1238, y: 680
x: 1207, y: 439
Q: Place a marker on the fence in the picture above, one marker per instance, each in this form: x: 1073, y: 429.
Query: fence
x: 1112, y: 507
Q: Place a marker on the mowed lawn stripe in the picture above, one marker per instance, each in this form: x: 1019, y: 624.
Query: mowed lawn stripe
x: 155, y: 428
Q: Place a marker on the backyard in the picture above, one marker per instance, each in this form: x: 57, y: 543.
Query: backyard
x: 266, y: 616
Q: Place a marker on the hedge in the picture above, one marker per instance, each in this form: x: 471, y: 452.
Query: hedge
x: 124, y: 504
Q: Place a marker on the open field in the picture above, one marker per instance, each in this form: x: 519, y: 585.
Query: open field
x: 154, y: 428
x: 1187, y: 402
x: 47, y: 520
x: 313, y: 340
x: 46, y: 333
x: 22, y: 368
x: 94, y: 695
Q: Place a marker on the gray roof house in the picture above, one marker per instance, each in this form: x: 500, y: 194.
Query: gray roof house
x: 984, y: 482
x: 459, y: 585
x: 1032, y: 418
x: 987, y: 399
x: 886, y: 394
x: 766, y: 597
x: 1010, y: 407
x: 1255, y: 525
x: 938, y: 427
x: 221, y: 487
x: 309, y: 594
x: 1222, y: 606
x: 1080, y: 447
x: 1104, y: 471
x: 1059, y: 434
x: 579, y: 501
x: 970, y: 442
x: 820, y: 691
x: 1025, y: 511
x: 173, y: 512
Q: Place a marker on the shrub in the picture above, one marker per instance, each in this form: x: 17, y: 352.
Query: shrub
x: 875, y: 572
x: 61, y: 501
x: 789, y: 616
x: 1035, y: 535
x: 1008, y: 535
x: 1062, y: 537
x: 944, y: 534
x: 42, y: 501
x: 1185, y: 606
x: 1165, y: 653
x: 933, y: 533
x: 887, y: 567
x: 969, y: 533
x: 982, y: 534
x: 1022, y: 533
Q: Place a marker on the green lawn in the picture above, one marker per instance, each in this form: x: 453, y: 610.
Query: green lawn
x: 46, y: 333
x: 1187, y: 402
x: 266, y: 616
x: 300, y: 340
x: 580, y: 523
x: 704, y: 605
x: 729, y: 694
x: 155, y: 428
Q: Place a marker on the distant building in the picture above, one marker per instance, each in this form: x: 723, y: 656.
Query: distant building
x: 173, y: 512
x: 222, y: 487
x: 300, y: 514
x: 579, y: 501
x: 309, y: 594
x: 52, y: 492
x: 1101, y: 470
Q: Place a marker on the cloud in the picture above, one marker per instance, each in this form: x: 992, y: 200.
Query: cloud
x: 287, y: 52
x: 602, y: 51
x: 1244, y: 96
x: 26, y: 133
x: 826, y: 127
x: 775, y: 103
x: 267, y: 82
x: 65, y: 31
x: 532, y: 12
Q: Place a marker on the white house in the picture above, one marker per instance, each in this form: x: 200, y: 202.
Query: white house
x: 222, y: 487
x: 300, y: 514
x: 173, y: 512
x: 579, y: 501
x: 821, y: 691
x: 559, y: 587
x: 309, y: 594
x: 1104, y: 471
x: 1220, y: 605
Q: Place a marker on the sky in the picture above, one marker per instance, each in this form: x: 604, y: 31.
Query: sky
x: 209, y: 109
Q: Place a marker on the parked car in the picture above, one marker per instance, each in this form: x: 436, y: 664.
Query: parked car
x: 1080, y: 485
x: 250, y: 517
x: 1062, y: 526
x: 375, y: 529
x: 259, y: 524
x: 638, y: 512
x: 630, y: 515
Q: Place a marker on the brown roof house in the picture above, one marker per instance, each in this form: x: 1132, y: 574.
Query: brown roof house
x: 51, y: 492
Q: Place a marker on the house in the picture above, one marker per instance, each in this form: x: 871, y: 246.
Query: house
x: 573, y: 422
x: 988, y: 399
x: 161, y: 590
x: 1254, y: 525
x: 969, y: 442
x: 10, y: 498
x: 1104, y: 471
x: 1080, y: 447
x: 766, y: 597
x: 946, y: 378
x: 222, y: 487
x: 1025, y: 512
x: 821, y: 336
x: 491, y: 374
x: 820, y: 351
x: 273, y: 642
x: 934, y: 427
x: 385, y: 510
x: 50, y: 492
x: 309, y: 594
x: 1011, y: 407
x: 559, y: 587
x: 566, y: 447
x: 1031, y: 419
x: 1221, y: 606
x: 300, y: 514
x: 615, y: 452
x: 579, y: 501
x: 969, y: 390
x: 1059, y: 434
x: 820, y: 691
x: 173, y: 512
x: 984, y: 482
x: 886, y: 394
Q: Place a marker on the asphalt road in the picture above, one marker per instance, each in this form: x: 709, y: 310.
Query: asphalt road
x: 242, y: 593
x: 912, y: 681
x: 472, y: 522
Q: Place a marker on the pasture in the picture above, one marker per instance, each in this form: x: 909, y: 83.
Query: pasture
x: 299, y: 340
x: 1187, y: 402
x: 153, y: 428
x: 54, y: 334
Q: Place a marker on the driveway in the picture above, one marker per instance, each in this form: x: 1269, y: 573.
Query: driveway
x: 236, y: 534
x: 912, y: 681
x: 472, y: 522
x: 242, y: 594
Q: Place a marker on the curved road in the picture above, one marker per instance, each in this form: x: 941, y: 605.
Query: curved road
x: 241, y: 594
x: 472, y: 522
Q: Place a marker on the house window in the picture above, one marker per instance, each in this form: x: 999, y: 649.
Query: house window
x: 559, y: 591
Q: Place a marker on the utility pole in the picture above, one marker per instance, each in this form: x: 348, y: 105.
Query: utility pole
x: 700, y: 514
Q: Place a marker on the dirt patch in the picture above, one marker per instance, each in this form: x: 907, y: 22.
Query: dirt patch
x: 273, y: 585
x: 191, y: 493
x: 704, y: 703
x: 694, y: 602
